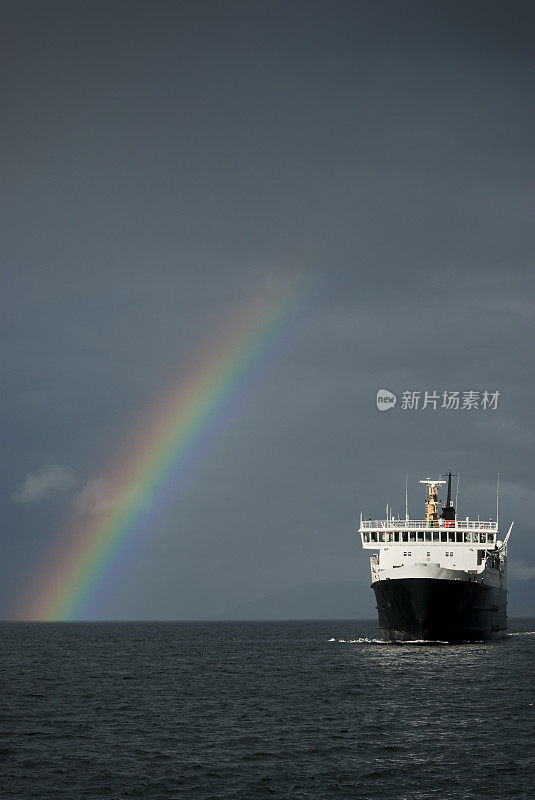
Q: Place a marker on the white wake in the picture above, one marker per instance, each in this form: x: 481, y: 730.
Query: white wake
x: 366, y: 640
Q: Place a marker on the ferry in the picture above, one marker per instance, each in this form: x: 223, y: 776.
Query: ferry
x: 442, y: 578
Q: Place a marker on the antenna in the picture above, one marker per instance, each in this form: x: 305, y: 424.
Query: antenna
x: 406, y: 499
x: 498, y: 500
x: 457, y: 494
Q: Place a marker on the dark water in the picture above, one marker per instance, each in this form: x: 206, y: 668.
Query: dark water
x: 262, y: 710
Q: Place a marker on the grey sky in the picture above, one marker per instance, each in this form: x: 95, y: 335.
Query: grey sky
x: 160, y: 161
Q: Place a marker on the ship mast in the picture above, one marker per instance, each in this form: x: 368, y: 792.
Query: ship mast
x: 431, y: 514
x: 448, y: 511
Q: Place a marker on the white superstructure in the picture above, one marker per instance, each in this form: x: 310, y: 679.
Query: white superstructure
x: 453, y: 549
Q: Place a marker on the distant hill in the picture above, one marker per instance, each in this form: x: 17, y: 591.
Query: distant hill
x: 330, y: 600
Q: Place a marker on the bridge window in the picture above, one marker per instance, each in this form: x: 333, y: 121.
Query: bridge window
x: 436, y: 536
x: 443, y: 536
x: 404, y: 536
x: 374, y: 536
x: 483, y: 538
x: 428, y: 536
x: 451, y: 536
x: 396, y: 536
x: 459, y: 536
x: 412, y: 536
x: 420, y: 536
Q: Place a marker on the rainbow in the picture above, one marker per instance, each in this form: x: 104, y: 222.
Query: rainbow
x: 158, y: 456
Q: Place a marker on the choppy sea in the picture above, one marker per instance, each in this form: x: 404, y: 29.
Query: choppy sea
x: 262, y: 710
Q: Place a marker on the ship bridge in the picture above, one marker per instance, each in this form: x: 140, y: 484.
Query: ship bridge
x: 375, y: 532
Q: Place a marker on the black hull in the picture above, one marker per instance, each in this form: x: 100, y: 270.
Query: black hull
x: 433, y: 609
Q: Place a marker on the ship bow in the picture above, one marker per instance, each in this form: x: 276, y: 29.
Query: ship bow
x: 439, y: 610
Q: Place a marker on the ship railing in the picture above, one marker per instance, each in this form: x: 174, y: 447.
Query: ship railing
x: 419, y: 524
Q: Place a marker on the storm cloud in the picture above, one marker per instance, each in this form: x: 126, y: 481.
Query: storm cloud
x: 160, y: 163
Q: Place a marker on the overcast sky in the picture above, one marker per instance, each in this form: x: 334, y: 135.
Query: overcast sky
x: 161, y: 162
